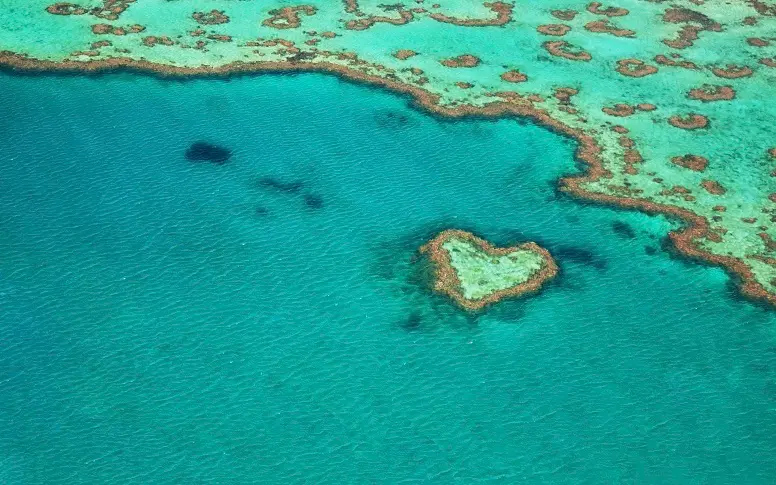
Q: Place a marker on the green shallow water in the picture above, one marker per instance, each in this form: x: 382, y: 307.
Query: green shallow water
x: 163, y: 321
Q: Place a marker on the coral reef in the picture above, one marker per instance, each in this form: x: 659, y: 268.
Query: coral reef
x: 475, y: 274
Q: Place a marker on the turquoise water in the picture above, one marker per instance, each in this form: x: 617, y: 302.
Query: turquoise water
x: 163, y: 321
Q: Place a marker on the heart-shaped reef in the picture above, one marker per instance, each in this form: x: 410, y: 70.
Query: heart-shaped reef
x: 475, y: 273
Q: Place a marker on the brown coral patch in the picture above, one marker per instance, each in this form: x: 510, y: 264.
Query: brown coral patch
x: 64, y: 8
x: 564, y: 14
x: 403, y: 54
x: 464, y: 85
x: 732, y: 71
x: 606, y: 27
x: 465, y: 60
x: 564, y: 94
x: 153, y: 40
x: 772, y: 152
x: 105, y: 29
x: 713, y: 187
x: 686, y: 37
x: 502, y: 10
x: 510, y: 96
x: 678, y: 190
x: 85, y: 53
x: 288, y: 17
x: 619, y: 110
x: 351, y: 6
x: 102, y: 29
x: 446, y: 279
x: 679, y: 15
x: 692, y: 121
x: 214, y: 17
x: 634, y: 68
x: 620, y: 129
x: 561, y: 48
x: 631, y: 157
x: 626, y: 142
x: 514, y: 76
x: 688, y: 33
x: 405, y: 16
x: 665, y: 61
x: 101, y: 43
x: 696, y: 163
x: 595, y: 7
x: 646, y: 107
x: 111, y: 9
x: 220, y: 37
x: 757, y: 42
x: 763, y: 8
x: 558, y: 30
x: 770, y: 244
x: 707, y: 93
x: 768, y: 61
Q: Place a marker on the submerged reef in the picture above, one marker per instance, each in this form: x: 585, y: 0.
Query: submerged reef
x: 668, y: 101
x: 474, y: 273
x: 205, y: 152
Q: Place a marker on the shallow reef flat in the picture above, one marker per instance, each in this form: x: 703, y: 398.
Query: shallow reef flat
x: 474, y: 273
x: 671, y: 102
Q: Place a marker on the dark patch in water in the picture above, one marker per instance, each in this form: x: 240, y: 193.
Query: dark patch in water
x: 578, y: 255
x: 650, y: 250
x: 391, y: 119
x: 520, y: 174
x: 205, y: 152
x: 412, y: 322
x: 270, y: 183
x: 262, y: 211
x: 623, y: 230
x: 313, y: 201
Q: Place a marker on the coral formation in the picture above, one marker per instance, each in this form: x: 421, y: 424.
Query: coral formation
x: 474, y: 273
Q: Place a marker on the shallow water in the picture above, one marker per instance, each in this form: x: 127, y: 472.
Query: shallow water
x: 262, y: 320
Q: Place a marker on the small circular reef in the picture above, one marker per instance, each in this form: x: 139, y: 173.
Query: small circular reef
x: 475, y: 273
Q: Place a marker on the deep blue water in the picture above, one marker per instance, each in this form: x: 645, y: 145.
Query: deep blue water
x: 263, y: 321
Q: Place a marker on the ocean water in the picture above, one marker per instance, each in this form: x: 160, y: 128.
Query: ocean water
x: 266, y: 320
